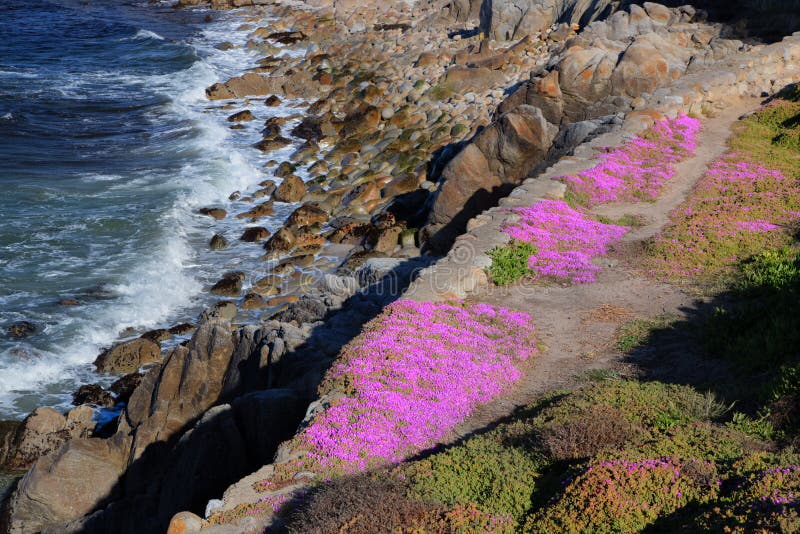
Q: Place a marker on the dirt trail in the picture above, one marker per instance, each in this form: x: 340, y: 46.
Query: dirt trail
x: 576, y: 324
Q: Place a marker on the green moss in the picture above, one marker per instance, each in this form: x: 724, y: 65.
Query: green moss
x: 510, y: 263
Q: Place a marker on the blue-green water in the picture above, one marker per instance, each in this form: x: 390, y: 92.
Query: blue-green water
x: 107, y: 149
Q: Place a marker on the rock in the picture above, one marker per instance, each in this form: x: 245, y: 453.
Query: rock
x: 285, y: 169
x: 253, y: 234
x: 218, y: 242
x: 386, y: 240
x: 159, y: 335
x: 360, y: 122
x: 43, y: 432
x: 305, y: 310
x: 467, y: 79
x: 242, y: 116
x: 292, y: 189
x: 264, y: 209
x: 68, y: 302
x: 21, y: 329
x: 307, y: 215
x: 125, y: 386
x: 128, y: 356
x: 505, y: 20
x: 272, y: 143
x: 184, y: 523
x: 400, y: 185
x: 223, y: 310
x: 182, y: 329
x: 230, y: 285
x: 92, y: 394
x: 499, y: 158
x: 61, y: 487
x: 282, y: 241
x: 216, y: 213
x: 253, y: 301
x: 272, y: 101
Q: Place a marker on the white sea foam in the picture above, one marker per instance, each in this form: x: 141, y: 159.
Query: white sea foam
x: 165, y: 277
x: 147, y: 34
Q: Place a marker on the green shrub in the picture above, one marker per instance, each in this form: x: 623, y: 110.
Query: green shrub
x: 760, y: 331
x: 496, y: 470
x: 626, y: 495
x: 510, y: 263
x: 760, y: 428
x: 601, y: 428
x: 766, y: 498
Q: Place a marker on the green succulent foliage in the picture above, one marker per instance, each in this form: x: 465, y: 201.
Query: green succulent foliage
x: 510, y: 263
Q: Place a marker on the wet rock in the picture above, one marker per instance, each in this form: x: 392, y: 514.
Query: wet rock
x: 264, y: 209
x: 218, y: 242
x: 92, y: 394
x: 292, y: 189
x: 282, y: 241
x: 285, y: 169
x: 287, y: 38
x: 159, y: 335
x: 253, y: 301
x: 242, y: 116
x: 182, y: 329
x: 220, y: 310
x: 272, y: 101
x: 230, y: 285
x: 273, y: 143
x: 128, y: 356
x: 21, y: 329
x: 68, y: 302
x: 216, y: 213
x: 254, y: 234
x: 124, y: 386
x: 307, y: 215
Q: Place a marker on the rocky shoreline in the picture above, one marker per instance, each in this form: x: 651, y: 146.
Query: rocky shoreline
x: 415, y: 123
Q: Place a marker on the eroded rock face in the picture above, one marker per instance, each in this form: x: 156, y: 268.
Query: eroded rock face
x: 43, y: 432
x: 81, y: 476
x: 505, y: 20
x: 127, y: 357
x: 497, y: 159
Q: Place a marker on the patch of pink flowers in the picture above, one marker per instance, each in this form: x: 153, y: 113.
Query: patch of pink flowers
x: 415, y: 372
x: 738, y: 208
x: 639, y: 169
x: 566, y: 240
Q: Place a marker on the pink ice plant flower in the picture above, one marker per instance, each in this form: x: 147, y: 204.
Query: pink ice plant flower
x: 566, y: 240
x: 416, y: 372
x: 638, y: 169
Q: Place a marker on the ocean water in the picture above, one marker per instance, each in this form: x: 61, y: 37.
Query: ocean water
x: 108, y: 147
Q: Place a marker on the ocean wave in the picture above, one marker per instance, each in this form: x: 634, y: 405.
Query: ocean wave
x: 145, y: 34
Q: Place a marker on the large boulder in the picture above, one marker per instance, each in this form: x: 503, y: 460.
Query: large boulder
x: 42, y: 432
x: 505, y: 20
x: 127, y: 357
x: 499, y: 158
x: 292, y: 189
x: 80, y: 477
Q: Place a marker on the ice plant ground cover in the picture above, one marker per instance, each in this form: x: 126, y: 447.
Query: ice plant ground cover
x: 638, y: 169
x: 410, y: 377
x: 566, y: 240
x: 748, y: 202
